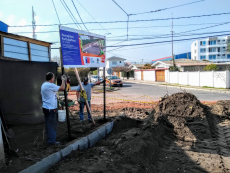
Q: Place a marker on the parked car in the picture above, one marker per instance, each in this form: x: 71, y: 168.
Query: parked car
x: 115, y: 81
x: 94, y: 78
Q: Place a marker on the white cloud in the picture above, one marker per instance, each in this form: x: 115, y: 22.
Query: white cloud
x: 22, y: 22
x: 10, y: 20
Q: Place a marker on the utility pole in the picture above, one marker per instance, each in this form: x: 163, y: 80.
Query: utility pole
x: 174, y: 65
x: 33, y: 23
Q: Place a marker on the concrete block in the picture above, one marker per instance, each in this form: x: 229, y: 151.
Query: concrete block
x: 44, y: 164
x: 109, y: 127
x: 102, y: 132
x: 66, y: 151
x: 93, y: 138
x: 83, y: 143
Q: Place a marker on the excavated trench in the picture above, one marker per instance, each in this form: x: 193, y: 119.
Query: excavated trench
x: 179, y: 135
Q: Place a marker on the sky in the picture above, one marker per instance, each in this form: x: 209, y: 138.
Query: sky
x: 19, y: 13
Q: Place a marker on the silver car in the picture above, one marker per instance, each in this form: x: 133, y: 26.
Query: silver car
x: 94, y: 78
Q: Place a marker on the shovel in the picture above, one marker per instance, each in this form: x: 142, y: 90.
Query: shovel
x: 10, y: 151
x: 9, y: 132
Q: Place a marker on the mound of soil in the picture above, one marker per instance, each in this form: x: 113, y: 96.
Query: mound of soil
x: 221, y: 108
x: 181, y: 105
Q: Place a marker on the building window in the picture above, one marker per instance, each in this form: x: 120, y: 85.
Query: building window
x: 202, y: 57
x: 213, y: 42
x: 114, y: 62
x: 212, y: 57
x: 202, y: 50
x: 195, y: 44
x: 212, y: 49
x: 195, y: 57
x: 228, y: 56
x: 195, y: 50
x: 203, y: 43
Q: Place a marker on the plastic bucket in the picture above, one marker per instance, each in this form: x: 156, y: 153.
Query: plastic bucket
x: 61, y: 115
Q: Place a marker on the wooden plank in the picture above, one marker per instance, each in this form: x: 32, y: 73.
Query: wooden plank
x: 86, y: 102
x: 49, y: 53
x: 29, y: 50
x: 26, y: 39
x: 2, y: 46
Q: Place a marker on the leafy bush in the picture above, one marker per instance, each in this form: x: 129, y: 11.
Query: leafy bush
x: 148, y: 66
x: 174, y: 69
x: 211, y: 67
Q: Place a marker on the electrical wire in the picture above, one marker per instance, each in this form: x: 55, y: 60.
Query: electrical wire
x: 168, y: 41
x: 56, y: 12
x: 151, y: 43
x: 166, y: 8
x: 72, y: 14
x: 187, y: 17
x: 92, y: 17
x: 79, y: 16
x: 69, y: 14
x: 158, y: 26
x: 127, y: 16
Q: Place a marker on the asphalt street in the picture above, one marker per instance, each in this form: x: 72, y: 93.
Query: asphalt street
x: 157, y: 91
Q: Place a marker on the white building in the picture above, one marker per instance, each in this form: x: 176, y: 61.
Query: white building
x: 112, y: 62
x: 212, y: 49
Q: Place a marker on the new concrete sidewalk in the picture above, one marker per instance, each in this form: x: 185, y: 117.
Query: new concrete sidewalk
x: 210, y: 89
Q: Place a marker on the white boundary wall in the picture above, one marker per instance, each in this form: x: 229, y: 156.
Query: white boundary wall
x: 149, y: 75
x: 218, y: 79
x: 137, y: 75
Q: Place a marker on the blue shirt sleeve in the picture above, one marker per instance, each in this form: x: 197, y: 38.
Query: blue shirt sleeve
x: 78, y: 88
x: 53, y: 87
x: 92, y: 85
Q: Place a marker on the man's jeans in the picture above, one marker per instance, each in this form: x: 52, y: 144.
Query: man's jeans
x: 51, y: 124
x: 82, y: 105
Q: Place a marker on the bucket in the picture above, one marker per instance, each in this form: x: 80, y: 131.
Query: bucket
x: 61, y: 115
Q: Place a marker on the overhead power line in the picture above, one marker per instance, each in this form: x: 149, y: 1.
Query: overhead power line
x: 127, y: 17
x: 176, y: 18
x: 69, y: 13
x: 56, y: 12
x: 92, y: 16
x: 168, y: 41
x: 159, y: 26
x: 80, y: 16
x: 166, y: 8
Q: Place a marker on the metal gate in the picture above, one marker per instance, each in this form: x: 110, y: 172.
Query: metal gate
x: 160, y: 75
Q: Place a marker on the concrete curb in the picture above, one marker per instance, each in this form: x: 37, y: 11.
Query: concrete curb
x: 216, y: 91
x: 78, y: 144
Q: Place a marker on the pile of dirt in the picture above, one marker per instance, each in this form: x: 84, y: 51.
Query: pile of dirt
x: 181, y: 105
x: 221, y: 108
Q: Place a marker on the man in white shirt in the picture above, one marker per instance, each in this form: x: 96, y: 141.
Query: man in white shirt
x: 49, y: 105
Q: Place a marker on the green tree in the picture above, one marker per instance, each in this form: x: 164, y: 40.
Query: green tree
x: 95, y: 72
x: 174, y: 68
x: 211, y: 67
x: 148, y: 66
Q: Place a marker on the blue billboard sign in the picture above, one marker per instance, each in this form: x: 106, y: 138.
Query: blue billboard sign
x: 81, y: 49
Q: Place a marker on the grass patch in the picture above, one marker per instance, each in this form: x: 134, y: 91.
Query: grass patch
x: 212, y: 87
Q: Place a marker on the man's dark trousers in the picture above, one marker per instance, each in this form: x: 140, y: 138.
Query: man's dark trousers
x: 51, y: 124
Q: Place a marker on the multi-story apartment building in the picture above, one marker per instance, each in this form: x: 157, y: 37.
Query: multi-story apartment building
x: 213, y: 49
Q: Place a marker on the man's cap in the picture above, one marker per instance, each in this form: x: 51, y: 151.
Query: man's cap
x: 85, y: 79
